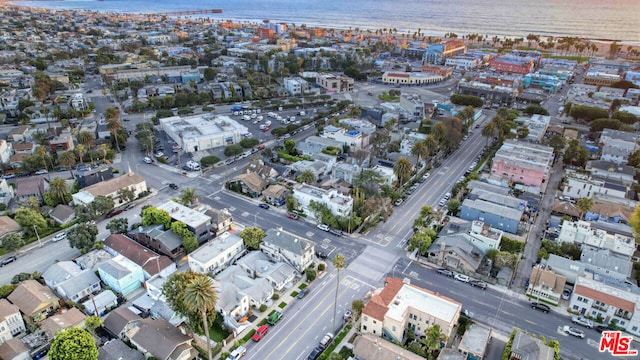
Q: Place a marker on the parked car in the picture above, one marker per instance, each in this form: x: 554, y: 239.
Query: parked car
x: 147, y: 160
x: 114, y: 212
x: 467, y: 313
x: 173, y: 186
x: 335, y: 231
x: 292, y: 216
x: 574, y: 331
x: 260, y: 333
x: 442, y: 202
x: 478, y: 283
x: 264, y: 206
x: 302, y: 293
x: 566, y: 294
x: 236, y: 354
x: 274, y: 318
x: 462, y: 277
x: 447, y: 272
x: 601, y: 328
x: 579, y: 320
x: 398, y: 202
x: 59, y: 237
x: 9, y: 176
x: 129, y: 207
x: 41, y: 172
x: 323, y: 227
x: 321, y: 255
x: 315, y: 353
x: 8, y: 260
x: 447, y: 196
x: 539, y: 306
x: 347, y: 315
x: 326, y: 340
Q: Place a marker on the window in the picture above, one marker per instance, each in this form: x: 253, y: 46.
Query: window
x: 364, y: 327
x: 634, y: 329
x: 393, y: 328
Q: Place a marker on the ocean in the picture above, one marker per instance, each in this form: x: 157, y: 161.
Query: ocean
x: 593, y: 19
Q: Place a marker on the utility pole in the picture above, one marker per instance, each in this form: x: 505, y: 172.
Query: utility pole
x: 39, y: 241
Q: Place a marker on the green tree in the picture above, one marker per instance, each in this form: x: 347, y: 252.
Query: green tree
x: 310, y: 274
x: 209, y: 160
x: 433, y: 338
x: 59, y: 191
x: 127, y: 194
x: 233, y: 150
x: 420, y: 150
x: 82, y: 237
x: 339, y: 262
x: 200, y: 296
x: 73, y: 344
x: 356, y: 307
x: 453, y: 206
x: 174, y: 290
x: 29, y: 218
x: 68, y: 160
x: 422, y: 240
x: 575, y: 154
x: 584, y: 205
x: 118, y: 226
x: 252, y: 237
x: 379, y: 140
x: 152, y: 215
x: 102, y: 205
x: 558, y: 143
x: 369, y: 181
x: 12, y: 241
x: 112, y: 115
x: 290, y: 147
x: 307, y: 176
x: 535, y: 109
x: 188, y: 196
x: 402, y: 169
x: 249, y: 143
x: 92, y: 323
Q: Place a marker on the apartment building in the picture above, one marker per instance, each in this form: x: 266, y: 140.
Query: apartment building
x: 400, y: 306
x: 582, y: 232
x: 578, y: 185
x: 617, y: 145
x: 354, y: 139
x: 523, y: 163
x: 335, y: 83
x: 512, y: 64
x: 11, y: 322
x: 339, y: 204
x: 296, y: 86
x: 288, y: 248
x: 198, y: 223
x: 414, y: 106
x: 216, y: 254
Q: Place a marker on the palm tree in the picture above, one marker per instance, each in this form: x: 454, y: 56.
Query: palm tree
x: 86, y: 139
x: 113, y: 123
x: 433, y: 338
x: 80, y: 149
x: 584, y: 205
x: 67, y: 159
x: 188, y: 196
x: 420, y: 150
x: 489, y: 131
x: 431, y: 144
x: 41, y: 151
x: 59, y: 190
x: 307, y: 176
x: 339, y: 262
x: 200, y: 295
x: 402, y: 168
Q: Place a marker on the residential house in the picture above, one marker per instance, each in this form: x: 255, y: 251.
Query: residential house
x: 455, y: 252
x: 347, y: 172
x: 14, y: 349
x: 340, y: 205
x: 11, y: 322
x: 217, y: 254
x: 102, y: 302
x: 256, y: 290
x: 413, y: 106
x: 388, y: 175
x: 475, y: 341
x: 250, y: 184
x: 159, y: 339
x: 63, y: 320
x: 154, y: 237
x: 15, y: 161
x: 63, y: 214
x: 610, y: 301
x: 117, y: 350
x: 335, y: 83
x: 400, y: 306
x: 6, y: 150
x: 121, y: 274
x: 69, y: 281
x: 258, y: 265
x: 8, y: 226
x: 27, y: 187
x: 94, y: 175
x: 523, y: 163
x: 498, y: 216
x: 318, y: 168
x: 276, y: 194
x: 610, y: 170
x: 197, y: 222
x: 355, y: 140
x: 62, y: 142
x: 120, y: 321
x: 545, y: 285
x: 481, y: 235
x: 577, y: 185
x: 234, y: 304
x: 315, y: 144
x: 111, y: 188
x: 151, y: 263
x: 293, y: 250
x: 525, y: 346
x: 451, y: 354
x: 583, y: 233
x: 266, y: 172
x: 617, y: 145
x: 221, y: 220
x: 34, y: 300
x: 18, y: 134
x: 92, y: 259
x: 7, y: 193
x: 370, y: 347
x: 605, y: 261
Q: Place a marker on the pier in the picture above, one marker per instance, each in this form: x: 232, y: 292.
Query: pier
x: 190, y: 12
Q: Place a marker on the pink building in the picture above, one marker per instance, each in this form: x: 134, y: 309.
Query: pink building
x: 523, y: 163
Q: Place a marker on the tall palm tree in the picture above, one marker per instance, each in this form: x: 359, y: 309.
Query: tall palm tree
x: 80, y: 150
x: 42, y: 152
x: 402, y: 168
x: 115, y: 127
x: 339, y: 262
x: 200, y: 295
x: 67, y: 159
x: 489, y: 131
x: 307, y: 176
x: 59, y: 190
x: 86, y: 139
x: 188, y: 196
x: 420, y: 150
x: 431, y: 144
x: 584, y: 205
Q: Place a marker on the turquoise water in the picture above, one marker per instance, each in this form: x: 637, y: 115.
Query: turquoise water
x: 595, y: 19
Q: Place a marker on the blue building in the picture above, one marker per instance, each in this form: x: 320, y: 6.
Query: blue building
x: 188, y: 76
x: 548, y: 83
x: 434, y: 54
x: 121, y: 274
x: 498, y: 216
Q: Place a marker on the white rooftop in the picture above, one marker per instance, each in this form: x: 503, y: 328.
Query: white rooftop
x: 215, y: 247
x: 411, y: 297
x: 184, y: 214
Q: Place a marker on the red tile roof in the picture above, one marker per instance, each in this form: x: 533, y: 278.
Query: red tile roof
x: 610, y: 300
x: 379, y: 304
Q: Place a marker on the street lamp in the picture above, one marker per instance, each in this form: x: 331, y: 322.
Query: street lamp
x: 39, y: 241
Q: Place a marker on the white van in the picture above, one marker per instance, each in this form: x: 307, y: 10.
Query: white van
x: 193, y: 165
x: 147, y: 160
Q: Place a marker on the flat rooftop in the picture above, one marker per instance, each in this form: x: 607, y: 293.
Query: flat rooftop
x: 179, y: 212
x: 215, y: 247
x: 426, y: 301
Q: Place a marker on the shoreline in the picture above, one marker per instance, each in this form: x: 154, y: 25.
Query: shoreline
x: 603, y: 44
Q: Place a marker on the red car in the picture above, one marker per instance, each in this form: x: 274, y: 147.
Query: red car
x: 292, y: 216
x: 114, y: 212
x: 261, y: 147
x: 260, y: 333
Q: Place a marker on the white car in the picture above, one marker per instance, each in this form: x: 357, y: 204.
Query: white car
x: 59, y: 237
x: 579, y: 320
x: 323, y: 227
x: 237, y: 353
x: 574, y: 331
x: 462, y: 277
x: 41, y: 172
x: 442, y: 202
